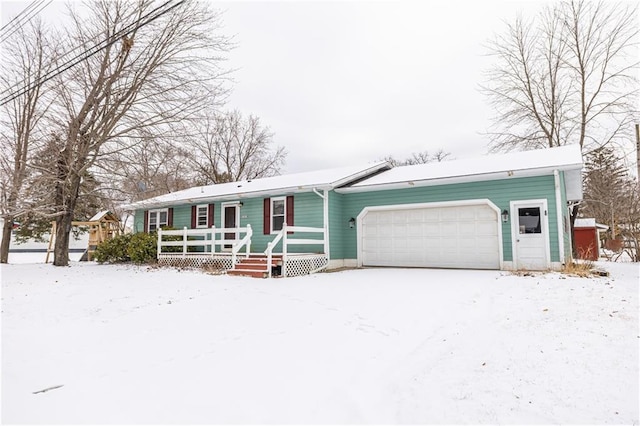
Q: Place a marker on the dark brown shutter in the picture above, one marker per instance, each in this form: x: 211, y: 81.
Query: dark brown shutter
x: 266, y: 218
x: 145, y: 221
x: 290, y: 212
x: 170, y: 218
x: 210, y: 216
x: 194, y: 218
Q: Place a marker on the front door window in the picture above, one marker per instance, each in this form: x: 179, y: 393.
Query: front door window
x: 529, y: 220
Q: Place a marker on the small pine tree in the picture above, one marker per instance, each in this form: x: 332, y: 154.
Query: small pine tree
x: 604, y: 186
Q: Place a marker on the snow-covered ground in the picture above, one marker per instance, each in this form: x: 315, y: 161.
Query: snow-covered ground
x: 135, y: 345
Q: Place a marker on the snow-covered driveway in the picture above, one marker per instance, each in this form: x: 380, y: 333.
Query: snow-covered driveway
x: 131, y: 345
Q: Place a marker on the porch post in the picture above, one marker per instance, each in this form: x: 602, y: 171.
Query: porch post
x: 325, y: 202
x: 184, y: 242
x: 159, y: 250
x: 284, y: 250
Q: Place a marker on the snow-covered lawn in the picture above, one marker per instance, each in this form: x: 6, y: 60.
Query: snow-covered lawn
x: 132, y: 345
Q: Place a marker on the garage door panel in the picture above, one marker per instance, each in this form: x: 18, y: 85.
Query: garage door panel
x: 467, y: 228
x: 449, y: 237
x: 486, y: 228
x: 486, y: 214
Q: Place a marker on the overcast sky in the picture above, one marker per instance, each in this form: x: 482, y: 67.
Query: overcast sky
x: 344, y: 82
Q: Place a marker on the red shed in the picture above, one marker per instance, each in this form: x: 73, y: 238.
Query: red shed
x: 586, y: 235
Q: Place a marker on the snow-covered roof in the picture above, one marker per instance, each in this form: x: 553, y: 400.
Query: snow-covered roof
x: 585, y: 223
x: 589, y: 222
x: 291, y: 183
x: 515, y: 164
x: 100, y: 215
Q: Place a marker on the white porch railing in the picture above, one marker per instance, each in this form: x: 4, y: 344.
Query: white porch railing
x: 212, y: 240
x: 291, y: 240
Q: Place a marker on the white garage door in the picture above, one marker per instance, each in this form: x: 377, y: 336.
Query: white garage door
x: 463, y: 236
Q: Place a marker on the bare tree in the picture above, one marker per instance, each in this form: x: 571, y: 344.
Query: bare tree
x: 27, y: 57
x: 162, y: 72
x: 229, y: 148
x: 566, y: 77
x: 152, y: 167
x: 420, y: 158
x: 629, y: 219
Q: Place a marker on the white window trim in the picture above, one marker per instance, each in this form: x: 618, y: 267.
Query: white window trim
x: 273, y: 200
x: 206, y: 217
x: 157, y: 214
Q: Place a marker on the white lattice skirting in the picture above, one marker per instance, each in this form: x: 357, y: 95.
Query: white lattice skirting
x: 220, y: 262
x: 306, y: 264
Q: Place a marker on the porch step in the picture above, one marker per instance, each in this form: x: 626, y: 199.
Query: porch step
x: 254, y: 266
x: 248, y: 273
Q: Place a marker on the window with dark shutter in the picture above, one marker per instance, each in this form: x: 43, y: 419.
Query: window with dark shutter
x: 202, y: 215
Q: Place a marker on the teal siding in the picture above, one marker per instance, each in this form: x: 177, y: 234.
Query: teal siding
x: 138, y: 221
x: 500, y: 192
x: 308, y: 211
x: 338, y: 226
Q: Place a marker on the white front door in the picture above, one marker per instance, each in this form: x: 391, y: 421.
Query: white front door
x: 530, y: 234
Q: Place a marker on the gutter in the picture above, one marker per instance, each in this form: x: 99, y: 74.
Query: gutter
x: 478, y: 177
x: 225, y: 197
x: 559, y: 216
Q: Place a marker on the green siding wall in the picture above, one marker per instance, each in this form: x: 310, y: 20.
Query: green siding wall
x: 338, y: 226
x: 308, y: 211
x: 500, y: 192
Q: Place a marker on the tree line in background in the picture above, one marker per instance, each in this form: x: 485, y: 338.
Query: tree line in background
x: 612, y: 197
x: 569, y: 76
x: 122, y: 104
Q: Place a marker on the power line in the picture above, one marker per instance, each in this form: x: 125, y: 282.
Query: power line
x: 146, y: 19
x: 19, y: 21
x: 8, y: 24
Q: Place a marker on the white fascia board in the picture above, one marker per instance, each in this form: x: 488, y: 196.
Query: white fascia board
x: 225, y: 197
x: 511, y: 174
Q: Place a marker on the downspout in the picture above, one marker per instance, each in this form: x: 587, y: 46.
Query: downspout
x: 559, y: 215
x: 325, y: 219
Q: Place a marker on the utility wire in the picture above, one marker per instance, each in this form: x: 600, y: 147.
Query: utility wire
x: 11, y: 22
x: 15, y: 25
x: 146, y: 19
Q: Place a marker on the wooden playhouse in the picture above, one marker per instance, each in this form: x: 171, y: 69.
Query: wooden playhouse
x: 102, y: 227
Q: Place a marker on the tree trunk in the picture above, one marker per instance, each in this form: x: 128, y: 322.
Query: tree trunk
x: 67, y: 191
x: 61, y: 248
x: 574, y: 215
x: 6, y: 239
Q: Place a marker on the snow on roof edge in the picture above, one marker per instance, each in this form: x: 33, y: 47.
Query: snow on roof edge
x: 294, y: 182
x: 567, y: 157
